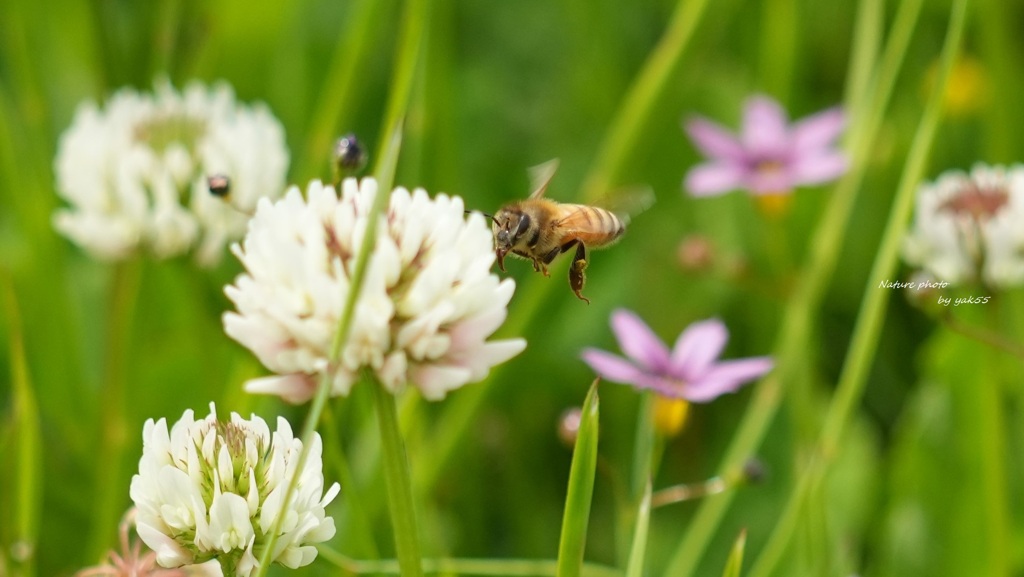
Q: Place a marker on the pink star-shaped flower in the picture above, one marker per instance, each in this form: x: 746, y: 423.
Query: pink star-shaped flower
x: 769, y: 156
x: 690, y: 371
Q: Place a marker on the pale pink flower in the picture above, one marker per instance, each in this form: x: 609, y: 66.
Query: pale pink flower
x: 691, y: 370
x: 770, y: 155
x: 135, y: 560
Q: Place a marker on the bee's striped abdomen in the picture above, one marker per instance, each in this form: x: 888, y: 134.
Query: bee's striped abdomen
x: 591, y: 225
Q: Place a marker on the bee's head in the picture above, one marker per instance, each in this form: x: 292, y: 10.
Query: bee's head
x: 509, y: 227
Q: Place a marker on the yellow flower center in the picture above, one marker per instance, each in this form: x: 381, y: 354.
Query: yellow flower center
x: 774, y: 205
x: 670, y: 415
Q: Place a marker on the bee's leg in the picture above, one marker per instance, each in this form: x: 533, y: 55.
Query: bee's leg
x: 577, y: 278
x: 542, y: 263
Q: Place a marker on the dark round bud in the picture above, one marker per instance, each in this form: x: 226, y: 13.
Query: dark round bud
x: 220, y: 185
x: 754, y: 471
x: 569, y: 426
x: 349, y: 154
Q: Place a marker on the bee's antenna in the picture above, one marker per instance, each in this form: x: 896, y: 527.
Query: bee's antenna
x: 494, y: 220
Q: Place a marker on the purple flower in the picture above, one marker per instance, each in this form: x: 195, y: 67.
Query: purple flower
x: 690, y: 371
x: 769, y: 156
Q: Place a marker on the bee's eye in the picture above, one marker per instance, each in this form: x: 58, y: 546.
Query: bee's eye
x: 524, y: 224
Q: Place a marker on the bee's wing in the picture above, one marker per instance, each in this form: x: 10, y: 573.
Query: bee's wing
x: 541, y: 175
x: 624, y: 203
x: 628, y: 202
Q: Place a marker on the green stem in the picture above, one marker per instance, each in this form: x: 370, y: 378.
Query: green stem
x: 778, y: 47
x: 643, y: 448
x: 109, y: 492
x: 635, y: 566
x: 413, y: 24
x: 989, y: 409
x: 997, y: 451
x: 399, y: 486
x: 462, y: 566
x: 630, y: 121
x: 865, y: 120
x: 872, y: 314
x: 228, y: 565
x: 387, y: 160
x: 24, y: 428
x: 866, y: 43
x: 642, y: 471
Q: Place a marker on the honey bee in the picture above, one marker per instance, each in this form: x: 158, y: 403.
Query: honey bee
x: 539, y: 229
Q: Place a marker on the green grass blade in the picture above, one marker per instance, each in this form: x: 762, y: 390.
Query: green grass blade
x: 25, y: 436
x: 872, y: 314
x: 638, y: 551
x: 809, y: 293
x: 866, y: 43
x: 581, y: 489
x: 734, y: 564
x: 397, y: 479
x: 643, y: 469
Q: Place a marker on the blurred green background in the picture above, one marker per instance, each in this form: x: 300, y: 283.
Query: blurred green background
x: 504, y: 86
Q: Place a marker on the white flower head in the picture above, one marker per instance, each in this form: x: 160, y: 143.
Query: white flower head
x: 970, y: 227
x: 427, y: 304
x: 209, y: 489
x: 134, y: 172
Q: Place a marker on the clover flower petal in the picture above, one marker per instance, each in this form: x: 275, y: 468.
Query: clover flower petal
x: 212, y: 490
x: 134, y: 173
x: 426, y: 307
x: 967, y: 227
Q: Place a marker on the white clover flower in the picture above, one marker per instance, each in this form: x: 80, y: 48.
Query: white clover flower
x: 213, y: 490
x: 134, y: 172
x: 428, y: 302
x: 970, y: 226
